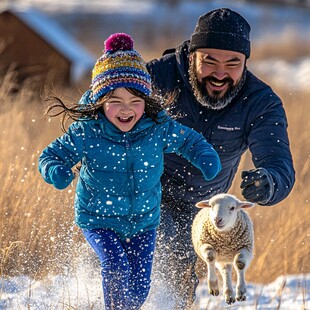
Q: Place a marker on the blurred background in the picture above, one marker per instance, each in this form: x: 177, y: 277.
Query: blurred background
x: 280, y: 29
x: 53, y: 44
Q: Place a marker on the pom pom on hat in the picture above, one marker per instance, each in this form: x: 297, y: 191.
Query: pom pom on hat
x: 118, y: 41
x: 119, y: 66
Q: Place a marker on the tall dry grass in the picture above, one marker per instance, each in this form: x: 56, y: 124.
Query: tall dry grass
x: 282, y: 232
x: 33, y: 214
x: 38, y: 235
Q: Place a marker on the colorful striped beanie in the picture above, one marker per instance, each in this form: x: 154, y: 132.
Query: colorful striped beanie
x: 119, y: 66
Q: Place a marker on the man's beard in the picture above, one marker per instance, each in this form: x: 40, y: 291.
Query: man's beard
x: 216, y: 102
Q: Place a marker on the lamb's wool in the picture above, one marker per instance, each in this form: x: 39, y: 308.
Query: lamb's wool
x: 226, y: 244
x: 224, y: 249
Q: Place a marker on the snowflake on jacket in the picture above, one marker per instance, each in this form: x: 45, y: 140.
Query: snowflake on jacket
x: 119, y: 182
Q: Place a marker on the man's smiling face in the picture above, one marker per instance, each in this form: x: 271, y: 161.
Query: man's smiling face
x: 216, y: 76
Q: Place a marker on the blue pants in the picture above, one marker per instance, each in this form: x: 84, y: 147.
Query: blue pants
x: 126, y: 267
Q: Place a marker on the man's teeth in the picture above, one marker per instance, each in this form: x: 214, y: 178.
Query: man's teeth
x: 218, y: 84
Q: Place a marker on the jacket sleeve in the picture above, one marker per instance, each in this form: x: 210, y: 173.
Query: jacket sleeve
x: 66, y: 150
x: 194, y: 147
x: 269, y: 145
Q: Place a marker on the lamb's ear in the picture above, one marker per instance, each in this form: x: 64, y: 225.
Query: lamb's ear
x: 245, y: 204
x: 203, y: 204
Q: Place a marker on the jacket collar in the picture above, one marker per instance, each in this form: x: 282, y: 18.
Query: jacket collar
x: 182, y: 59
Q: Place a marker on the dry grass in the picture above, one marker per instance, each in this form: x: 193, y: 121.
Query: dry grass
x: 281, y: 46
x: 40, y: 218
x: 283, y: 231
x: 32, y: 213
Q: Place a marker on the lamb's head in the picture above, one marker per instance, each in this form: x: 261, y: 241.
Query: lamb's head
x: 224, y: 208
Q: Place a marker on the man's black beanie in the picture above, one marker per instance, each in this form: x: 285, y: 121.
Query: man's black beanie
x: 222, y: 29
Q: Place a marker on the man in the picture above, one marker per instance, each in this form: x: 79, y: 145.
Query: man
x: 235, y: 111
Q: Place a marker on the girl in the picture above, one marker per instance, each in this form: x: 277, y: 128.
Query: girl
x: 120, y: 134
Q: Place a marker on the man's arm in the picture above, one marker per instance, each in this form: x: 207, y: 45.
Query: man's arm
x: 269, y: 145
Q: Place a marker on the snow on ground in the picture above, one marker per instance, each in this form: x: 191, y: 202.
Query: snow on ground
x: 292, y: 76
x: 271, y: 19
x: 83, y: 291
x: 79, y: 287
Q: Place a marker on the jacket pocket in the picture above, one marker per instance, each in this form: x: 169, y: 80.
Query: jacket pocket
x: 101, y: 205
x: 85, y: 195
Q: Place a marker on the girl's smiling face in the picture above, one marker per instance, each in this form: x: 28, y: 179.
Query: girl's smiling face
x: 123, y: 109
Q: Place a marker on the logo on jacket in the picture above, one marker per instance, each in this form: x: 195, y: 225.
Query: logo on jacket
x: 228, y: 128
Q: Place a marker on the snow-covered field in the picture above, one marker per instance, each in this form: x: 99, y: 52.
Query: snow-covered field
x: 81, y: 288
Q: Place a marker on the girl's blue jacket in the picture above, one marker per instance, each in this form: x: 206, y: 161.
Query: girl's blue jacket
x: 119, y: 182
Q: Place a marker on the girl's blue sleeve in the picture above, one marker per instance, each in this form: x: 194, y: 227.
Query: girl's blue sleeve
x: 66, y: 151
x: 194, y: 147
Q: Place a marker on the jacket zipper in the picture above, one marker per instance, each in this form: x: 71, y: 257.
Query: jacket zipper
x: 131, y: 179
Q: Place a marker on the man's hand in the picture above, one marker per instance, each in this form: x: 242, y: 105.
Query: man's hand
x: 257, y: 185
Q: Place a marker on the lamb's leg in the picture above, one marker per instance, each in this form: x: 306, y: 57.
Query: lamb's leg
x: 208, y: 254
x: 227, y: 284
x: 241, y: 262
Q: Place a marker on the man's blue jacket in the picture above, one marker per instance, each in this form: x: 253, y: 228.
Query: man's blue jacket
x: 254, y: 120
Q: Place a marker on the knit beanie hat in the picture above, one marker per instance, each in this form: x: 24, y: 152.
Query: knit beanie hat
x: 222, y: 29
x: 119, y: 66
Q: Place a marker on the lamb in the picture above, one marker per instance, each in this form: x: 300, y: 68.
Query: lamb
x: 222, y: 235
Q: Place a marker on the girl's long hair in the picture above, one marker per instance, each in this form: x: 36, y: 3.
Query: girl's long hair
x: 87, y: 111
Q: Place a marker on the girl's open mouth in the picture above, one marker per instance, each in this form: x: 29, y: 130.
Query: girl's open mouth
x: 125, y: 119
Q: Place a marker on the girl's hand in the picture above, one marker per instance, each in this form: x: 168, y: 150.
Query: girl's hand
x: 61, y: 176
